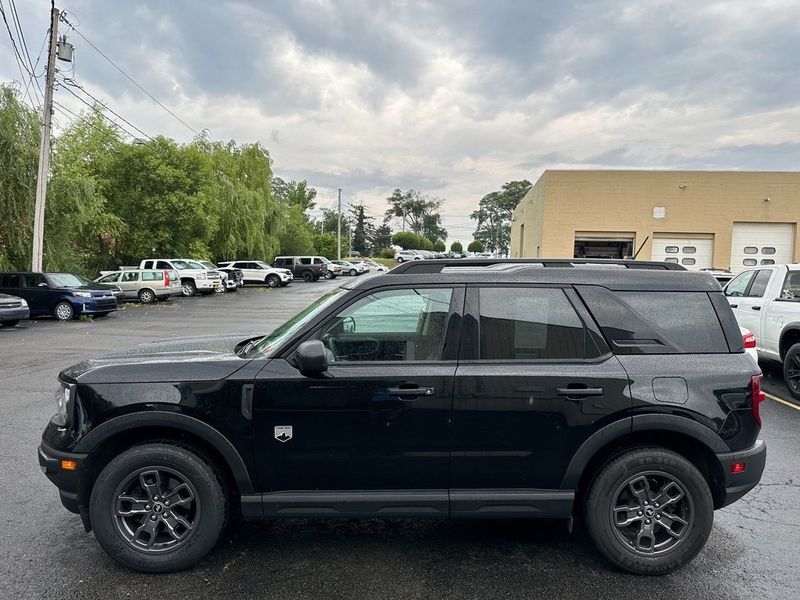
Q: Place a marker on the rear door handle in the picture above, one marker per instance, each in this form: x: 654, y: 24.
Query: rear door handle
x: 410, y: 392
x: 579, y: 392
x: 756, y: 307
x: 734, y: 306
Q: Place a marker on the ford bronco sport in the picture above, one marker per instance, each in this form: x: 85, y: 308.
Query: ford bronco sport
x: 618, y: 392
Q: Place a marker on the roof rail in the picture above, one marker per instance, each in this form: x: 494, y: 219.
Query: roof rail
x: 436, y: 265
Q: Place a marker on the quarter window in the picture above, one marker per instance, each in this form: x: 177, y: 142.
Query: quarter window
x: 530, y: 324
x: 152, y: 276
x: 391, y: 325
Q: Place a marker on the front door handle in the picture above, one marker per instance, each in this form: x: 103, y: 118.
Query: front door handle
x: 756, y: 307
x: 407, y: 391
x: 578, y: 392
x: 734, y: 306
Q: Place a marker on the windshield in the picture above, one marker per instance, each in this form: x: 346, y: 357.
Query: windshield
x: 208, y: 265
x: 275, y: 338
x: 66, y: 280
x: 183, y: 265
x: 195, y: 265
x: 324, y: 260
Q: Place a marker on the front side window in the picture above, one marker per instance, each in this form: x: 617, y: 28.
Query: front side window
x: 791, y: 286
x: 527, y: 323
x: 390, y: 325
x: 737, y: 286
x: 34, y: 279
x: 162, y: 264
x: 760, y: 283
x: 112, y: 278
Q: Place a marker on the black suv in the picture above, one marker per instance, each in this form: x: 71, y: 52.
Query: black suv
x: 615, y: 391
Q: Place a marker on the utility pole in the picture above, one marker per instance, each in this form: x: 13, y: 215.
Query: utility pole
x: 44, y: 147
x: 339, y: 229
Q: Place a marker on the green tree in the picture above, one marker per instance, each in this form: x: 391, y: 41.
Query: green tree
x: 438, y: 246
x: 329, y: 222
x: 381, y: 238
x: 325, y: 245
x: 408, y: 240
x: 417, y: 211
x: 294, y: 193
x: 456, y: 247
x: 476, y: 246
x: 494, y: 215
x: 19, y: 160
x: 296, y: 237
x: 362, y: 230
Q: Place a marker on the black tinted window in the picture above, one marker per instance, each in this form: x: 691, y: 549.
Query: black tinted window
x: 526, y: 323
x: 163, y: 265
x: 760, y: 283
x: 11, y: 281
x: 684, y: 320
x: 34, y: 279
x: 305, y: 261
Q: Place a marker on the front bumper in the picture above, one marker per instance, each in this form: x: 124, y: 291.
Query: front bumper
x: 207, y: 284
x: 68, y: 482
x: 15, y: 314
x: 92, y: 306
x: 738, y: 484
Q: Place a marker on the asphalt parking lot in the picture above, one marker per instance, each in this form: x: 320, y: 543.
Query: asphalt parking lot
x: 752, y: 552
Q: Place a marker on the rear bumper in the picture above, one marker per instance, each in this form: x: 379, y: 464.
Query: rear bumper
x: 738, y: 484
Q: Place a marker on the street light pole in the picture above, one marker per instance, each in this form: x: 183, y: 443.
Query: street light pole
x: 44, y: 147
x: 339, y: 229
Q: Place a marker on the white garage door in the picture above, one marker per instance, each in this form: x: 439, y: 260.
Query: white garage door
x: 691, y: 252
x: 755, y: 244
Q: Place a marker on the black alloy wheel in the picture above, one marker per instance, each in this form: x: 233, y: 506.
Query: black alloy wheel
x: 791, y: 370
x: 308, y: 276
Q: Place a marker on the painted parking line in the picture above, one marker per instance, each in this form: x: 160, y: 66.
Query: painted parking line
x: 782, y: 401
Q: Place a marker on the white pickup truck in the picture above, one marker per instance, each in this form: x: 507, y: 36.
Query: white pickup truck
x: 766, y: 300
x: 193, y: 280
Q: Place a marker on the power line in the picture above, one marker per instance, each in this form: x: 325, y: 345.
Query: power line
x: 24, y: 55
x: 72, y: 83
x: 102, y: 114
x: 17, y: 56
x: 131, y: 79
x: 38, y: 58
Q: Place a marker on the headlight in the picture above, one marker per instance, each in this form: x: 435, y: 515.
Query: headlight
x: 64, y: 396
x: 24, y: 303
x: 82, y: 294
x: 201, y: 275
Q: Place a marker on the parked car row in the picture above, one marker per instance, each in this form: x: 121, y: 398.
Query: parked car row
x: 404, y: 255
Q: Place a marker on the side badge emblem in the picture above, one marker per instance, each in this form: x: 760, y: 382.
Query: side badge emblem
x: 283, y: 433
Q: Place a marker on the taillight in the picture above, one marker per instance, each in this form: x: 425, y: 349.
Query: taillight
x: 749, y: 340
x: 166, y: 277
x: 758, y: 397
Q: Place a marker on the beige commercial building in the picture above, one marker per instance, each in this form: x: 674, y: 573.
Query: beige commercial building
x: 700, y: 219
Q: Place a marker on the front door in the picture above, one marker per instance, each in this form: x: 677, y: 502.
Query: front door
x: 379, y: 418
x: 533, y: 383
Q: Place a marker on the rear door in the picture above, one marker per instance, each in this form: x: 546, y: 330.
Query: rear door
x: 40, y: 296
x: 129, y: 283
x: 535, y: 379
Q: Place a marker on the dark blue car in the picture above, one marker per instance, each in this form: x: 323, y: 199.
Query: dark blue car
x: 61, y: 295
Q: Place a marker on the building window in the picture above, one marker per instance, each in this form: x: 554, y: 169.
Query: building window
x: 767, y: 261
x: 749, y: 262
x: 750, y: 250
x: 689, y: 250
x: 768, y: 250
x: 671, y: 259
x: 671, y: 249
x: 688, y: 261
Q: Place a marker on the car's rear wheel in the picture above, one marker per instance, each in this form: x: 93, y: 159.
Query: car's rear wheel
x: 189, y: 288
x: 353, y: 272
x: 328, y: 275
x: 158, y: 507
x: 399, y: 259
x: 9, y: 323
x: 649, y: 511
x: 272, y: 280
x: 64, y: 311
x: 147, y: 296
x: 308, y: 276
x: 791, y: 370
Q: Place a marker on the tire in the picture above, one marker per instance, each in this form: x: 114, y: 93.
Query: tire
x: 616, y: 485
x: 9, y: 323
x: 189, y: 288
x: 791, y: 370
x: 64, y: 311
x: 328, y: 275
x: 272, y: 280
x: 308, y: 276
x: 147, y: 296
x: 353, y: 272
x: 399, y: 259
x: 204, y: 507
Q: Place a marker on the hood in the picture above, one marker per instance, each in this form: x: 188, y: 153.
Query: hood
x: 198, y: 358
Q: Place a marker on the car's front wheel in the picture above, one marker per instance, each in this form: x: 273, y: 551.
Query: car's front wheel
x: 791, y: 370
x: 649, y: 511
x: 399, y: 259
x: 272, y: 281
x: 189, y: 288
x: 64, y: 311
x: 158, y: 507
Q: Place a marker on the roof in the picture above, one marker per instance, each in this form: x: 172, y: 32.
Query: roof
x: 615, y: 275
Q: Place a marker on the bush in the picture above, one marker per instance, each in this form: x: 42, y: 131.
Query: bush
x: 476, y: 246
x: 408, y: 240
x: 456, y: 247
x: 439, y: 247
x: 386, y: 253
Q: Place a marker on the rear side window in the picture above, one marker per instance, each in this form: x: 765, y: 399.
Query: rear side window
x: 685, y: 320
x: 152, y: 276
x: 129, y: 276
x: 760, y: 283
x: 526, y: 323
x: 791, y: 286
x: 11, y: 281
x: 305, y: 261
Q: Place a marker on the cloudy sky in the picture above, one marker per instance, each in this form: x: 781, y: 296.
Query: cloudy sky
x: 449, y: 97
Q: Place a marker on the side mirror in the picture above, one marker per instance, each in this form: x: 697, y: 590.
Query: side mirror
x: 311, y: 358
x: 43, y: 284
